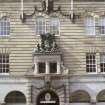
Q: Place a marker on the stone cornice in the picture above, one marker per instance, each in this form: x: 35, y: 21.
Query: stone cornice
x: 13, y: 79
x: 87, y: 78
x: 48, y: 53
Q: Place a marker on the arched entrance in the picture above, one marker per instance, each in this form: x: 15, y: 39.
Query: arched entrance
x: 47, y: 97
x: 79, y: 96
x: 101, y: 96
x: 15, y: 98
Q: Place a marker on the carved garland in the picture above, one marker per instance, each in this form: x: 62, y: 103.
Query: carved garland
x: 48, y: 8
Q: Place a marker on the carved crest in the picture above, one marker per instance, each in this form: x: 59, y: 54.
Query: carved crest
x: 48, y: 43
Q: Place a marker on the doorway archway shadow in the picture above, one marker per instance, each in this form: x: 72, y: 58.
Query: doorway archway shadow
x: 47, y: 97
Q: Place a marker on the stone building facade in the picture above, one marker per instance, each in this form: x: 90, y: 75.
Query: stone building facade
x: 52, y: 52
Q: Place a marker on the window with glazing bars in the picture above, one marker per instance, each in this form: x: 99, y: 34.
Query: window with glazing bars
x: 4, y: 63
x: 90, y: 62
x: 4, y: 26
x: 90, y: 25
x: 102, y: 25
x: 40, y: 25
x: 51, y: 25
x: 54, y: 25
x: 102, y: 62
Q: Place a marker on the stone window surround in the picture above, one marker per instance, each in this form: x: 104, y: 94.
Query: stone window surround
x: 98, y: 61
x: 97, y: 24
x: 47, y: 71
x: 102, y: 25
x: 4, y: 65
x: 40, y: 22
x: 5, y: 26
x: 90, y: 25
x: 91, y: 66
x: 102, y: 62
x: 47, y: 59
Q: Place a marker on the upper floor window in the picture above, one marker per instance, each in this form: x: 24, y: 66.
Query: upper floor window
x: 49, y: 25
x: 102, y: 62
x: 4, y: 26
x: 53, y: 67
x: 40, y: 25
x: 54, y: 25
x: 49, y: 67
x: 4, y: 63
x: 102, y: 25
x: 90, y: 62
x: 90, y: 25
x: 41, y: 67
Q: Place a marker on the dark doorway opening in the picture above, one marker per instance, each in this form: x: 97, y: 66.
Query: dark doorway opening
x: 47, y: 97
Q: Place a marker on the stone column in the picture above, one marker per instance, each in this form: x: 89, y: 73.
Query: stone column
x: 36, y: 68
x: 98, y: 62
x: 58, y: 68
x: 29, y: 91
x: 67, y: 89
x: 47, y: 68
x: 93, y: 101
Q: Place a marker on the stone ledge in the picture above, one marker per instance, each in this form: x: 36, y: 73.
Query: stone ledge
x: 87, y: 78
x: 13, y: 79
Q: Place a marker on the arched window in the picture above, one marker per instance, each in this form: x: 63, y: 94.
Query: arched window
x: 4, y: 26
x: 101, y: 96
x: 40, y: 25
x: 54, y: 25
x: 15, y: 97
x: 102, y: 25
x: 90, y: 25
x: 79, y: 96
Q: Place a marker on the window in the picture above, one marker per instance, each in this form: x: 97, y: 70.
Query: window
x: 40, y: 25
x: 53, y: 67
x: 102, y: 25
x: 4, y: 26
x: 42, y: 67
x: 4, y: 63
x: 102, y: 62
x: 90, y: 62
x: 50, y: 25
x: 54, y: 25
x: 90, y: 25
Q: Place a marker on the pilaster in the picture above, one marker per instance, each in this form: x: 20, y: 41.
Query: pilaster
x: 58, y: 68
x: 67, y: 91
x: 36, y: 68
x: 47, y: 68
x: 29, y: 91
